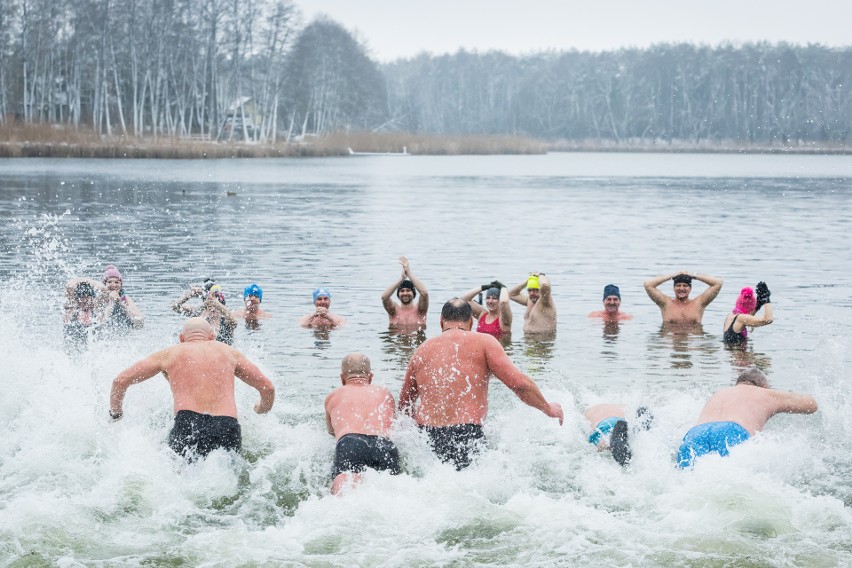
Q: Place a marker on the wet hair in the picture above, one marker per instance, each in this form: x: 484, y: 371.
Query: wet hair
x: 456, y: 309
x: 355, y: 364
x: 83, y: 290
x: 407, y: 284
x: 683, y: 279
x: 644, y: 418
x: 753, y: 376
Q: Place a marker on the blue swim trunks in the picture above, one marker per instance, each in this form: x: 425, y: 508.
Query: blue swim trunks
x: 710, y: 437
x: 603, y: 428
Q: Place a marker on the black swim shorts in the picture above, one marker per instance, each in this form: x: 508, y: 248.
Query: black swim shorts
x: 357, y: 452
x: 456, y: 444
x: 197, y: 434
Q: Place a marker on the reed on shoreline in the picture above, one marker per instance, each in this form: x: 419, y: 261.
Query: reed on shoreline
x: 56, y: 141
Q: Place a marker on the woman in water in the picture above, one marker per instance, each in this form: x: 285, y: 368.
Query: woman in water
x: 496, y: 317
x: 748, y: 302
x: 119, y: 311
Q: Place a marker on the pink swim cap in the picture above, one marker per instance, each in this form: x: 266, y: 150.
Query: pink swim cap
x: 111, y: 272
x: 746, y: 302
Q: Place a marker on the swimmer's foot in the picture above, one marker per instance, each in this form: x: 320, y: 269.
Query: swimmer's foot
x: 619, y: 444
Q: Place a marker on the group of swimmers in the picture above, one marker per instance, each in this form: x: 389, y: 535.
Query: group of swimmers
x: 445, y: 389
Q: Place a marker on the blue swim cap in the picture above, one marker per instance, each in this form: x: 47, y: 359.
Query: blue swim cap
x: 321, y: 292
x: 253, y: 290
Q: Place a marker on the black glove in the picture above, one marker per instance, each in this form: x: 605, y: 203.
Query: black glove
x: 762, y: 292
x: 485, y: 287
x: 498, y: 284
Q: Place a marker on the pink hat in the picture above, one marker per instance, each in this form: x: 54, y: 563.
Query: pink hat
x: 746, y: 302
x: 111, y: 272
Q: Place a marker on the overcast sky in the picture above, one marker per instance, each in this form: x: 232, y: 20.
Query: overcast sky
x: 402, y: 28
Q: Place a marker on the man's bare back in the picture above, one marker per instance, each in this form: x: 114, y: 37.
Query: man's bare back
x: 200, y: 372
x: 446, y: 382
x: 751, y: 406
x: 360, y: 408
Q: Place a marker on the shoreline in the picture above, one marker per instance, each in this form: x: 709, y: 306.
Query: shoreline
x: 38, y: 141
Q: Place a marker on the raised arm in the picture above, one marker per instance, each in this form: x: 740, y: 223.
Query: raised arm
x: 754, y: 321
x: 423, y: 301
x: 516, y: 295
x: 179, y: 306
x: 651, y: 289
x: 251, y: 375
x: 387, y: 302
x: 544, y: 287
x: 478, y: 309
x: 519, y: 383
x: 714, y: 287
x: 505, y: 311
x: 136, y: 373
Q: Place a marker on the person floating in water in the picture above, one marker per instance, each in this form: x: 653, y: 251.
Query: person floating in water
x: 734, y: 332
x: 540, y: 315
x: 360, y: 416
x: 251, y: 314
x: 321, y: 317
x: 610, y: 428
x: 734, y: 414
x: 495, y: 318
x: 406, y: 315
x: 681, y: 309
x: 201, y: 374
x: 211, y: 309
x: 445, y: 388
x: 612, y: 304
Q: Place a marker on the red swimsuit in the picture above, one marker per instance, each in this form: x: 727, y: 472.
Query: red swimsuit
x: 492, y: 328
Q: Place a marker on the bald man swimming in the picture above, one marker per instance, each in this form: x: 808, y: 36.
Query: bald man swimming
x: 200, y: 372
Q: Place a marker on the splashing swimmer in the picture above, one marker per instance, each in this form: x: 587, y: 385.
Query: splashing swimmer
x: 200, y: 372
x: 446, y: 385
x: 212, y: 309
x: 680, y: 309
x: 406, y: 315
x: 609, y: 429
x: 360, y: 415
x: 734, y: 414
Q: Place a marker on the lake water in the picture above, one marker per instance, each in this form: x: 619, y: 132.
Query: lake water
x: 77, y: 490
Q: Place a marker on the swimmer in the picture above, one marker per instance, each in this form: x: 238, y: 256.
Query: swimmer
x: 612, y: 304
x: 406, y: 314
x: 540, y: 315
x: 119, y: 311
x: 211, y: 309
x: 360, y: 415
x: 81, y: 316
x: 251, y: 314
x: 321, y: 317
x: 734, y: 332
x: 201, y: 374
x: 734, y: 414
x: 495, y: 318
x: 609, y: 429
x: 445, y: 388
x: 681, y: 309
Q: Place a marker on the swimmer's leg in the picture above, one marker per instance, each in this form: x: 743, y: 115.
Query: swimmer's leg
x: 344, y: 481
x: 619, y: 443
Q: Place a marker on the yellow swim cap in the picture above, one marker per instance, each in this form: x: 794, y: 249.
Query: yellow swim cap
x: 533, y: 282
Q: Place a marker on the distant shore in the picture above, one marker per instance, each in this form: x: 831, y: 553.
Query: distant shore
x: 45, y: 141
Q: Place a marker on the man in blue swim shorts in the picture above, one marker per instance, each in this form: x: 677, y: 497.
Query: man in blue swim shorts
x: 360, y: 416
x: 734, y: 414
x: 610, y: 428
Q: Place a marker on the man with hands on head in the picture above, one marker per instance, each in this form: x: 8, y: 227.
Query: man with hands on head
x: 540, y: 315
x: 201, y: 374
x: 406, y: 314
x: 681, y: 309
